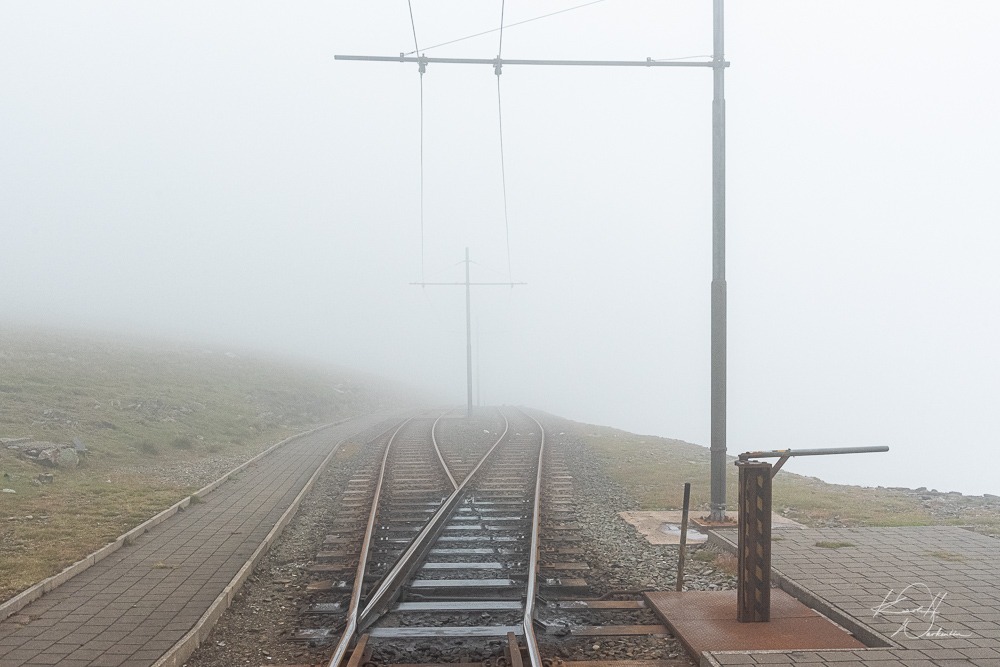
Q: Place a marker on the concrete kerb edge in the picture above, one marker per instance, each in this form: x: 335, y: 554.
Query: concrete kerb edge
x: 868, y: 636
x: 189, y: 643
x: 34, y: 592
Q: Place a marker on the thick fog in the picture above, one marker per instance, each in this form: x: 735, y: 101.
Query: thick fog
x: 208, y: 172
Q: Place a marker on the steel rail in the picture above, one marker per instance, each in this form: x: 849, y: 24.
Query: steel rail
x: 437, y: 449
x: 359, y: 577
x: 444, y: 466
x: 530, y: 640
x: 390, y: 587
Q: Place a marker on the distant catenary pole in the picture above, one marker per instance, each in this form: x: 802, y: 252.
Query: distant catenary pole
x: 468, y: 284
x: 468, y: 334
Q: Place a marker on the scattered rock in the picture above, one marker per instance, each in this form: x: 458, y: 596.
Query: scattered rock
x: 49, y: 453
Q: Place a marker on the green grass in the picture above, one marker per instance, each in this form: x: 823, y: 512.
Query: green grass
x: 47, y: 528
x: 829, y: 544
x: 139, y: 408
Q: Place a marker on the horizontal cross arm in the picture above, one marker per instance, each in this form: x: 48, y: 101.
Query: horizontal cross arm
x: 784, y: 453
x: 423, y: 60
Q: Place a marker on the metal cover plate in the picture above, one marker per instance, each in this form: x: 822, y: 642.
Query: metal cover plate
x: 706, y: 621
x: 461, y: 583
x: 598, y: 604
x: 462, y: 566
x: 448, y: 631
x: 460, y: 605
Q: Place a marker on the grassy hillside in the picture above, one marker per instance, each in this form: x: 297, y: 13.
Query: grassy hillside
x: 156, y: 420
x: 654, y: 471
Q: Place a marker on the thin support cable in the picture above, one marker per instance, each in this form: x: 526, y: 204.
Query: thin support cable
x: 500, y: 46
x: 413, y: 25
x: 416, y: 47
x: 503, y: 179
x: 503, y: 168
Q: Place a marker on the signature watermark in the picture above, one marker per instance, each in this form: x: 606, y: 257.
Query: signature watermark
x: 918, y: 606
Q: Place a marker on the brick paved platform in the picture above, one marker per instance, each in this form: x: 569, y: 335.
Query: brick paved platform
x: 921, y: 596
x: 134, y: 605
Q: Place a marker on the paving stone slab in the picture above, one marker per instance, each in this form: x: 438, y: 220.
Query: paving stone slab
x: 931, y: 595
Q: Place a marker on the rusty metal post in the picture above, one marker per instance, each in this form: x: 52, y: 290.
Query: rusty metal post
x: 753, y: 593
x: 684, y: 535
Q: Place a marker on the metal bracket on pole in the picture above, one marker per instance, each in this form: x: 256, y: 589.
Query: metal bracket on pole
x: 777, y: 466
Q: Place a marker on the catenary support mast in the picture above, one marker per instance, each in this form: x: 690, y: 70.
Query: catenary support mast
x: 719, y: 327
x: 718, y: 298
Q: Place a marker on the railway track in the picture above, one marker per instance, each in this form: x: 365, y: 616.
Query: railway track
x: 439, y: 554
x: 434, y: 545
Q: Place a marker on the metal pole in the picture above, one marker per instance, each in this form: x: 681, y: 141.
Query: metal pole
x: 479, y: 368
x: 718, y: 450
x: 468, y: 284
x: 468, y: 334
x: 684, y: 535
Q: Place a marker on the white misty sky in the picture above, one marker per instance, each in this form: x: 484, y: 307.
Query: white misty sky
x: 207, y: 171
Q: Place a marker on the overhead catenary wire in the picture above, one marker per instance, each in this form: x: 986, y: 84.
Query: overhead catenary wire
x: 487, y: 32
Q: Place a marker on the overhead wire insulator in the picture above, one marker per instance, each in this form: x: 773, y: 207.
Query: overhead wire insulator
x: 497, y: 65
